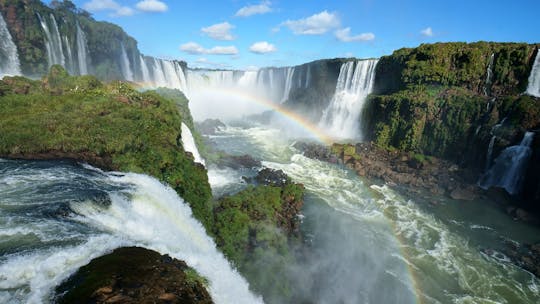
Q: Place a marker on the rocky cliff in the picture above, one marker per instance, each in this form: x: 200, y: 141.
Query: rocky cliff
x: 462, y: 102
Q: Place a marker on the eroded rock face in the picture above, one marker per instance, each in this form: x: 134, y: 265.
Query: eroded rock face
x: 134, y: 275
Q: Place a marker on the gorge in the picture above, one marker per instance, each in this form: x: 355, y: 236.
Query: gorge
x: 102, y: 148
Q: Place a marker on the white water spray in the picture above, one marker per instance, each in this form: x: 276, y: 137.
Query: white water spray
x: 9, y: 59
x: 188, y: 143
x: 533, y: 87
x: 125, y: 64
x: 509, y: 168
x: 82, y: 51
x: 342, y: 117
x: 155, y: 217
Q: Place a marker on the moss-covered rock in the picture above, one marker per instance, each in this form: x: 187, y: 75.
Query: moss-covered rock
x: 134, y: 275
x: 256, y: 229
x: 112, y: 126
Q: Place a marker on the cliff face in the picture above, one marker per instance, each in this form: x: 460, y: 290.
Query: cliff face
x: 452, y: 100
x: 74, y: 40
x: 311, y: 99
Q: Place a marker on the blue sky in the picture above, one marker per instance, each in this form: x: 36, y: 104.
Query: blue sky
x: 241, y: 34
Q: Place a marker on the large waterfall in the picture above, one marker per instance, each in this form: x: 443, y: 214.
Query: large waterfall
x: 342, y: 117
x: 125, y: 64
x: 508, y: 170
x: 57, y: 216
x: 156, y: 72
x: 9, y: 59
x: 273, y: 84
x: 533, y: 87
x: 82, y: 51
x: 53, y: 43
x: 60, y: 49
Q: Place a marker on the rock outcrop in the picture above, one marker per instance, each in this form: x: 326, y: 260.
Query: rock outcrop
x: 134, y: 275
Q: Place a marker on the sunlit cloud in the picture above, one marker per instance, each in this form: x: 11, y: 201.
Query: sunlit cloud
x: 196, y: 49
x: 262, y: 47
x: 250, y: 10
x: 153, y: 6
x: 344, y: 35
x: 317, y: 24
x: 427, y: 32
x: 219, y: 31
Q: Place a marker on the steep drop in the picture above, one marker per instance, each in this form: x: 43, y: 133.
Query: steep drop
x: 9, y: 59
x: 533, y: 87
x: 342, y: 117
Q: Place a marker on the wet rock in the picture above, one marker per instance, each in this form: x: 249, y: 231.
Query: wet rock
x: 239, y: 161
x: 271, y: 177
x: 466, y: 194
x: 210, y: 126
x: 133, y: 275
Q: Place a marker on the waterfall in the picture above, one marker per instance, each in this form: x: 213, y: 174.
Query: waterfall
x: 533, y: 87
x: 188, y: 143
x: 125, y: 64
x: 9, y: 59
x: 490, y: 152
x: 70, y: 65
x: 53, y: 43
x: 145, y: 71
x: 288, y: 84
x: 308, y: 76
x: 489, y: 76
x: 342, y: 116
x: 509, y: 168
x: 82, y: 51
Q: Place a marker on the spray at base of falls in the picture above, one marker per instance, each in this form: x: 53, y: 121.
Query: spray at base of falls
x: 64, y: 215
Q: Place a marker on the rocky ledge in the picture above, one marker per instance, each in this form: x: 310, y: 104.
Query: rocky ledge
x: 134, y: 275
x: 417, y: 172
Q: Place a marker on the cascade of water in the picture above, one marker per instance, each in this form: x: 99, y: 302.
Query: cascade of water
x: 9, y: 59
x: 70, y: 65
x: 53, y: 44
x: 288, y: 84
x: 58, y: 42
x: 145, y: 71
x: 125, y: 64
x: 342, y: 116
x: 158, y: 73
x: 308, y: 77
x: 188, y: 143
x: 533, y: 88
x: 490, y: 152
x: 82, y: 51
x: 489, y: 76
x: 172, y: 78
x: 508, y: 170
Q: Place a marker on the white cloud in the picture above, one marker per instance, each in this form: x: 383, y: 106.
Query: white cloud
x: 101, y: 5
x: 262, y: 47
x: 153, y: 6
x: 344, y: 35
x: 220, y: 31
x: 314, y: 25
x: 201, y: 60
x: 262, y: 8
x: 427, y: 32
x: 108, y: 5
x: 124, y: 11
x: 195, y: 48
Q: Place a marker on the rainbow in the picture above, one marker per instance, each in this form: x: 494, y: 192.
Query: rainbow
x: 292, y: 116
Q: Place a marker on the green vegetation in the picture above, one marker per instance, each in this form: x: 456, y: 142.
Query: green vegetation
x: 254, y: 230
x: 113, y: 126
x: 435, y: 100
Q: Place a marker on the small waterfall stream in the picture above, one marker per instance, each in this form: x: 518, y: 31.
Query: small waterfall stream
x: 9, y: 59
x: 533, y: 87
